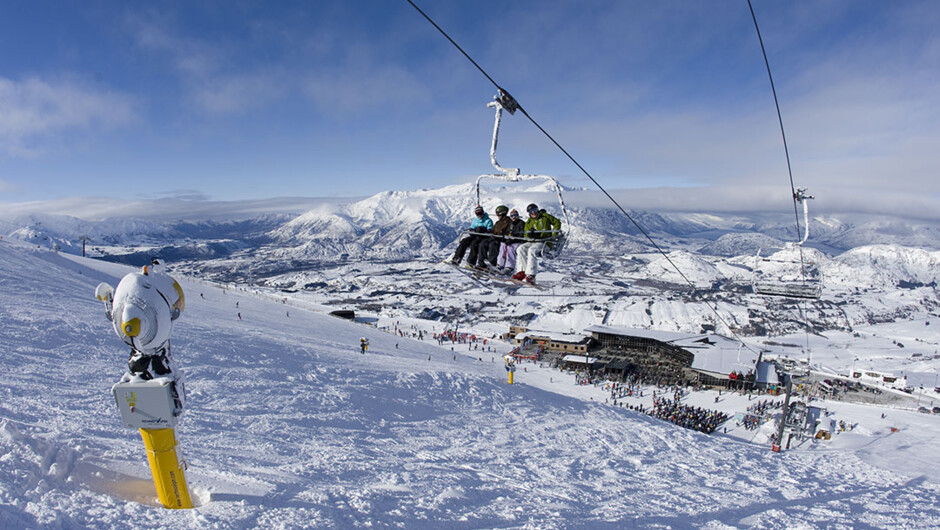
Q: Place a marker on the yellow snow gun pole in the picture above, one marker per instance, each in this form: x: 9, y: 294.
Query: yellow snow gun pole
x: 142, y: 310
x: 510, y: 366
x: 166, y: 467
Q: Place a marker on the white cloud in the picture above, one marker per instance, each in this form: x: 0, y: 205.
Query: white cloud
x: 235, y: 94
x: 180, y: 205
x: 7, y: 187
x: 35, y: 109
x: 213, y: 78
x: 350, y: 88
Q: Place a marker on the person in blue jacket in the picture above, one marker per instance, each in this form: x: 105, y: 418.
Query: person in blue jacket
x: 482, y: 224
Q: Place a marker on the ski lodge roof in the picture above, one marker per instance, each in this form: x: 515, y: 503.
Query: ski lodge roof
x: 578, y: 359
x: 661, y: 336
x: 713, y: 354
x: 571, y: 338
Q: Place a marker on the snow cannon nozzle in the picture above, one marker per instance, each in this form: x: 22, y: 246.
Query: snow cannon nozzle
x: 143, y: 308
x: 104, y: 292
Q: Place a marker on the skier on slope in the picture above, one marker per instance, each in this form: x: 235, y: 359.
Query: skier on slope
x: 540, y: 226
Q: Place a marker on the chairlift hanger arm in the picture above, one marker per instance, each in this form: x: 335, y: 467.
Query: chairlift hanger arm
x: 801, y: 197
x: 510, y: 173
x: 504, y: 101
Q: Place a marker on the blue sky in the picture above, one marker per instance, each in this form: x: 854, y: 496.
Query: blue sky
x: 234, y: 100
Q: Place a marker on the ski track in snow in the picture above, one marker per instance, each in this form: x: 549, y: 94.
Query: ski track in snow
x: 287, y: 425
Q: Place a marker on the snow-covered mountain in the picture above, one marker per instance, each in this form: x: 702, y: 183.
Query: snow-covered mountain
x: 66, y: 232
x: 374, y: 251
x: 884, y: 266
x: 400, y: 225
x: 391, y: 225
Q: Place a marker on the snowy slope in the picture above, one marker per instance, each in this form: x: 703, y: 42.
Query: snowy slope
x: 287, y: 425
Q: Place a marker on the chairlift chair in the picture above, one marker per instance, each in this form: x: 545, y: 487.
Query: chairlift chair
x: 555, y: 244
x: 804, y: 285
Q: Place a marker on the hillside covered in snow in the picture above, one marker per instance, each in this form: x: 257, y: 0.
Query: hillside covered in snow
x: 287, y: 425
x: 383, y: 254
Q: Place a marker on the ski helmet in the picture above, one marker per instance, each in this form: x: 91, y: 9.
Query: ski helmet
x: 502, y: 210
x: 479, y: 210
x: 532, y: 208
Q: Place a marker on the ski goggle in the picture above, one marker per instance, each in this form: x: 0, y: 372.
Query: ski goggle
x: 514, y: 215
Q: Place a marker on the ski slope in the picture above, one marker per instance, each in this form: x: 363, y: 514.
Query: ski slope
x: 288, y: 425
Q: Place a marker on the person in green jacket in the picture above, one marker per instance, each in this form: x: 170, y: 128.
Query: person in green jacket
x: 540, y: 226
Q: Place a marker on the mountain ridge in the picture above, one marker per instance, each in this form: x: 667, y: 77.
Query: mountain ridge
x: 424, y: 223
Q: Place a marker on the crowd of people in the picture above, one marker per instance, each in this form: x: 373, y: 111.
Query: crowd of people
x: 751, y: 422
x: 687, y: 416
x: 628, y: 388
x: 762, y: 407
x: 510, y: 245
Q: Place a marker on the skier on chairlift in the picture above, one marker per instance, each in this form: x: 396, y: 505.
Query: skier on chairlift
x: 482, y: 224
x: 488, y: 250
x: 506, y: 260
x: 540, y: 229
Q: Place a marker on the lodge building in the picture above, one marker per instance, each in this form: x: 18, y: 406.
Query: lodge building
x: 551, y: 341
x: 658, y: 357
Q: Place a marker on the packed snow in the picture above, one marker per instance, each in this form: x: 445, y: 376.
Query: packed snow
x: 288, y: 425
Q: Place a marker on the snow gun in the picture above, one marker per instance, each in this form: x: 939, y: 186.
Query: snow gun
x: 150, y: 396
x: 510, y: 366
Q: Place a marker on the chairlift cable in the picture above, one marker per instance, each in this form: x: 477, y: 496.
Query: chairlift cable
x: 465, y: 54
x: 714, y: 308
x: 783, y: 135
x: 793, y: 191
x: 552, y: 139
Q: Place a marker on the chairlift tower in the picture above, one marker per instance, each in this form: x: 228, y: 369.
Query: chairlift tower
x: 793, y: 417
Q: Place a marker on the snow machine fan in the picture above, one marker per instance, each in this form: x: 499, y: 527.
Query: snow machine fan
x: 143, y: 308
x: 150, y: 395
